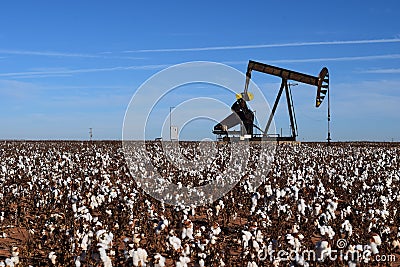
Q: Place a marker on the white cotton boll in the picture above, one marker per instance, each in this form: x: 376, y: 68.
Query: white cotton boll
x: 295, y: 229
x: 377, y: 239
x: 358, y: 247
x: 299, y: 261
x: 254, y: 200
x: 278, y: 193
x: 216, y: 230
x: 183, y: 261
x: 349, y: 257
x: 201, y: 263
x: 301, y: 208
x: 2, y: 264
x: 78, y: 261
x: 330, y: 232
x: 347, y: 227
x: 268, y: 190
x: 259, y: 236
x: 322, y: 230
x: 113, y: 193
x: 189, y: 233
x: 52, y: 256
x: 374, y: 243
x: 139, y: 257
x: 84, y: 244
x: 187, y: 230
x: 166, y: 222
x: 384, y: 214
x: 256, y: 246
x: 296, y: 192
x: 276, y: 262
x: 317, y: 209
x: 246, y: 238
x: 252, y: 264
x: 198, y: 234
x: 186, y: 250
x: 290, y: 239
x: 9, y: 263
x: 202, y: 244
x: 366, y: 247
x: 374, y: 248
x: 175, y: 242
x: 136, y: 239
x: 283, y: 193
x: 14, y: 255
x: 99, y: 233
x: 74, y: 207
x: 184, y: 235
x: 160, y: 260
x: 221, y: 204
x: 103, y: 256
x: 323, y: 250
x: 217, y: 209
x: 332, y: 208
x: 82, y: 209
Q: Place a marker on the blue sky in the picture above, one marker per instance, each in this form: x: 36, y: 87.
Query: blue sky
x: 67, y: 66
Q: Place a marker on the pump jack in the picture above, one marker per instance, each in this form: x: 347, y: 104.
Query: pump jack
x: 321, y: 82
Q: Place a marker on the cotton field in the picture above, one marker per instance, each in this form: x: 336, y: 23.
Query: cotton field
x: 76, y: 204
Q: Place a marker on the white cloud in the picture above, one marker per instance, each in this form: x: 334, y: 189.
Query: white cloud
x: 306, y: 60
x: 68, y: 72
x: 17, y: 89
x: 44, y: 53
x: 62, y: 54
x: 31, y: 74
x: 211, y: 48
x: 382, y: 71
x: 376, y: 57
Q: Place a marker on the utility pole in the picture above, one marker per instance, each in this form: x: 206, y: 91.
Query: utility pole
x: 170, y: 123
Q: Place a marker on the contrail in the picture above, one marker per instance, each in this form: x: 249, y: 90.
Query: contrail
x: 356, y: 58
x: 161, y: 66
x: 78, y: 71
x: 211, y: 48
x: 44, y: 53
x: 383, y: 71
x: 324, y: 59
x: 102, y: 55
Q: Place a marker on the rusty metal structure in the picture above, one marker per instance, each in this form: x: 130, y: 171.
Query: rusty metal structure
x: 321, y: 82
